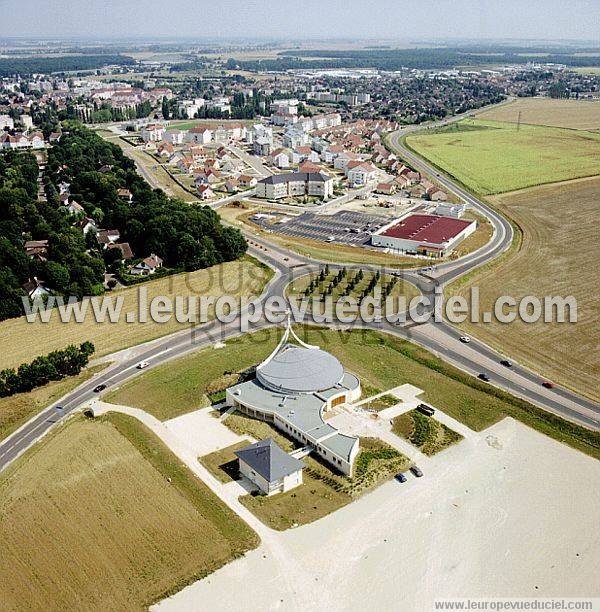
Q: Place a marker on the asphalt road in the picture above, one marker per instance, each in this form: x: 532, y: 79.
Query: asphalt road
x: 440, y: 338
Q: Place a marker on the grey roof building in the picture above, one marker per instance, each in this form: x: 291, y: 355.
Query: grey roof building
x: 293, y: 388
x: 268, y: 460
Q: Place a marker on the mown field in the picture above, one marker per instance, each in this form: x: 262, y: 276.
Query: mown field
x: 380, y: 360
x: 494, y: 157
x: 116, y: 533
x: 573, y: 114
x: 22, y: 341
x: 557, y: 257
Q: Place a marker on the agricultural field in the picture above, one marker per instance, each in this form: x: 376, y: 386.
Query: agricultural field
x: 556, y: 257
x: 22, y: 341
x: 123, y: 522
x: 572, y: 114
x: 427, y: 434
x: 380, y: 360
x: 492, y: 157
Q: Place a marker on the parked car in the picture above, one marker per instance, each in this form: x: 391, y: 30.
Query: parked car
x: 506, y: 363
x: 99, y: 388
x: 400, y: 477
x: 142, y: 364
x: 425, y: 409
x: 465, y: 339
x: 484, y: 376
x: 548, y: 384
x: 416, y: 470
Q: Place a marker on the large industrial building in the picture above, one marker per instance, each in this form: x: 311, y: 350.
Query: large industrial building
x: 290, y: 184
x: 431, y: 235
x: 293, y: 388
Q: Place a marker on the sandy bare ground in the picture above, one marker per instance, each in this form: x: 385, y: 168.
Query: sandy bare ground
x: 508, y: 512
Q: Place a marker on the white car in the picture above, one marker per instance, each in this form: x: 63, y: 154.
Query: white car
x: 142, y: 364
x: 465, y: 339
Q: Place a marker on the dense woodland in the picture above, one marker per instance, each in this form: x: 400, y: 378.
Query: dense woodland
x: 422, y: 59
x: 185, y: 237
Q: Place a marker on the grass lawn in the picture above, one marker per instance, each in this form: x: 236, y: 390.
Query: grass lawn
x: 115, y: 531
x: 18, y: 409
x: 223, y: 464
x: 573, y: 114
x: 493, y: 157
x: 322, y: 491
x: 380, y: 360
x: 22, y: 341
x: 550, y: 217
x: 427, y: 434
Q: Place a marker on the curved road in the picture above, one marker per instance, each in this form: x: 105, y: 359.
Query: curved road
x: 440, y: 338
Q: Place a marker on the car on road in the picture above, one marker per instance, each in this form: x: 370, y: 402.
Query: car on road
x: 142, y: 364
x: 548, y: 384
x: 99, y: 388
x: 416, y: 470
x: 425, y: 409
x: 506, y: 363
x: 400, y: 477
x: 330, y: 239
x: 465, y: 339
x: 484, y: 376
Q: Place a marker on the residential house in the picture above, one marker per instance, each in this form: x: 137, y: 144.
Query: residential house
x: 247, y: 180
x: 124, y: 248
x: 37, y: 249
x: 386, y: 188
x: 360, y: 173
x: 201, y: 134
x: 153, y: 133
x: 205, y: 192
x: 106, y: 237
x: 74, y: 208
x: 125, y: 195
x: 35, y: 289
x: 147, y: 266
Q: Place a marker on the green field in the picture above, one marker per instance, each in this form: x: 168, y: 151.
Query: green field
x: 380, y: 360
x: 494, y: 157
x: 100, y: 515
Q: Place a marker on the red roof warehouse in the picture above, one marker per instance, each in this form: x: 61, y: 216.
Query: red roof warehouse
x: 425, y: 234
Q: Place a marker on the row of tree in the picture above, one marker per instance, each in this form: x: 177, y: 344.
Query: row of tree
x: 45, y: 368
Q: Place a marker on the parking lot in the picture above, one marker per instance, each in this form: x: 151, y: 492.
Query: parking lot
x: 345, y: 227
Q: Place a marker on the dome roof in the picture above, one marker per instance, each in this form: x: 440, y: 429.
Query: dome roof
x: 300, y: 370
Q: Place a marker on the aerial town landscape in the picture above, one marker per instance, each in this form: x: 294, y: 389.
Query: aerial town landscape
x: 299, y: 313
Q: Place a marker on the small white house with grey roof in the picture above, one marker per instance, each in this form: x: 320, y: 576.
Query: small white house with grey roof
x: 293, y: 388
x: 270, y: 468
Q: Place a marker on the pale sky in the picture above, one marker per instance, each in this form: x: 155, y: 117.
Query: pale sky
x: 398, y: 19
